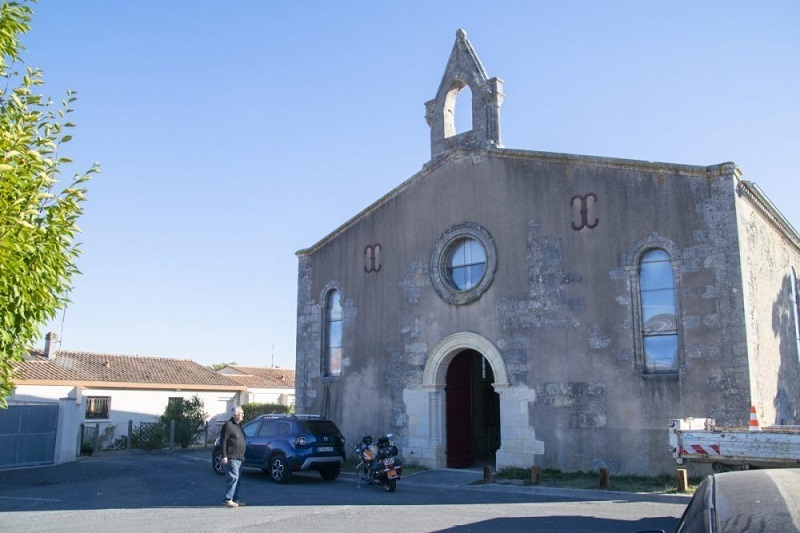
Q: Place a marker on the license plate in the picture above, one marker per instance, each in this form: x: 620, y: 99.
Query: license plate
x: 324, y: 448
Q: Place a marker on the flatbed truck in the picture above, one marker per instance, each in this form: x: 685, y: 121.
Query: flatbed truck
x: 733, y: 448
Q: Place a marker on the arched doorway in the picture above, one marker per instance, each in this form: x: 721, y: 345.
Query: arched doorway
x: 472, y: 411
x: 426, y: 408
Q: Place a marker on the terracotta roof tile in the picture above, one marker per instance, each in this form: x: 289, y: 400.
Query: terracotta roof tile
x: 69, y: 366
x: 258, y: 377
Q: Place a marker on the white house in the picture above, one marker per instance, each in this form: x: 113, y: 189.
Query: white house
x: 264, y: 384
x: 109, y: 392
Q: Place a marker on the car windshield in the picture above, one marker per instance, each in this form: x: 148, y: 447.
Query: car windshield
x: 320, y: 427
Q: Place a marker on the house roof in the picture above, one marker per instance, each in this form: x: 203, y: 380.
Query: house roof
x: 126, y: 371
x: 259, y: 377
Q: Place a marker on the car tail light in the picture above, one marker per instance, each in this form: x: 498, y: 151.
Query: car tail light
x: 300, y: 441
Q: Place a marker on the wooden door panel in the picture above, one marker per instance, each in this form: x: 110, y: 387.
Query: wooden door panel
x: 458, y: 390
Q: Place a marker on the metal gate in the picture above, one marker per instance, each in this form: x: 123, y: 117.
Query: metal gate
x: 28, y: 435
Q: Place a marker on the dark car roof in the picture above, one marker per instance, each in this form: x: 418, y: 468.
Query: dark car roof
x: 751, y: 500
x: 293, y: 417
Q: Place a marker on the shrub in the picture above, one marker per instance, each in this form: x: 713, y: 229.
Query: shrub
x: 253, y: 410
x: 149, y: 436
x: 189, y: 417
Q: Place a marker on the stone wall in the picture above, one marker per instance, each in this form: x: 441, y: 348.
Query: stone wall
x: 560, y: 311
x: 775, y: 369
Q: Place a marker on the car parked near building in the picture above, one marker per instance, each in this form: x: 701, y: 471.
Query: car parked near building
x: 744, y: 501
x: 282, y: 444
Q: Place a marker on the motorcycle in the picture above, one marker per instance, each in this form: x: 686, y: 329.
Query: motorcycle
x: 378, y: 462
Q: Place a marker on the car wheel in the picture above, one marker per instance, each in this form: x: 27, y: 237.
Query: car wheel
x: 279, y: 469
x: 330, y: 473
x: 216, y: 463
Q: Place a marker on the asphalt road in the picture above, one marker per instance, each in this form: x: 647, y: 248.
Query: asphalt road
x: 118, y: 492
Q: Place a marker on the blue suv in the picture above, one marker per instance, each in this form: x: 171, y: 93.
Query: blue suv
x: 282, y: 444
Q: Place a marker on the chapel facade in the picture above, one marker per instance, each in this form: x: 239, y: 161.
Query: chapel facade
x: 529, y: 308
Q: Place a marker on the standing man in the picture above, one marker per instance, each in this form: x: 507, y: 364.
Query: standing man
x: 233, y: 447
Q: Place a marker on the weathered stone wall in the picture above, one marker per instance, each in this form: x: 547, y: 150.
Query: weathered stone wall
x: 775, y: 363
x: 559, y: 310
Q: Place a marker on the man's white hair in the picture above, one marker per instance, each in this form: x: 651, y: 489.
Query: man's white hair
x: 235, y: 410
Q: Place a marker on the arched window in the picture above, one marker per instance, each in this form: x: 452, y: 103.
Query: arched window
x: 659, y: 326
x: 796, y: 310
x: 332, y: 352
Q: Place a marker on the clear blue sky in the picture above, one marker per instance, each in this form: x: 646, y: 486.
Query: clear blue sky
x: 232, y: 134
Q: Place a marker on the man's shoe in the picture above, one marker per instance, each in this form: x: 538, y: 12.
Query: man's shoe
x: 240, y: 504
x: 230, y: 503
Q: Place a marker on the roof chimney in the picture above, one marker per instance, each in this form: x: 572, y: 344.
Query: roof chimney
x: 49, y: 345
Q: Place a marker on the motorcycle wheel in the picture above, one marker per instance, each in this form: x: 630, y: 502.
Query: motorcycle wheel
x: 390, y: 485
x: 361, y: 473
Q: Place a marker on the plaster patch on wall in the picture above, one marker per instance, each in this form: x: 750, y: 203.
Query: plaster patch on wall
x: 618, y: 274
x: 513, y: 343
x: 693, y: 352
x: 576, y: 304
x: 586, y: 401
x: 694, y: 257
x: 597, y: 341
x: 416, y: 354
x: 416, y: 278
x: 710, y: 292
x: 517, y: 368
x: 412, y: 331
x: 691, y: 321
x: 515, y: 355
x: 701, y: 235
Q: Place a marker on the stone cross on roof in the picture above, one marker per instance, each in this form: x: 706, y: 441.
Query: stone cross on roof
x: 465, y: 69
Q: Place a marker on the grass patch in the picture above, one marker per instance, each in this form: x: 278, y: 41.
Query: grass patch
x: 663, y: 484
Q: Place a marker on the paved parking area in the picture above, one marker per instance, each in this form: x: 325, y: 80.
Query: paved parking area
x: 180, y: 492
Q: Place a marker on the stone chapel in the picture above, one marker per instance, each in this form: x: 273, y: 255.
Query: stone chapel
x: 522, y: 308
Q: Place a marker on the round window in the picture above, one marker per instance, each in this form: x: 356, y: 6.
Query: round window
x: 463, y: 263
x: 466, y: 263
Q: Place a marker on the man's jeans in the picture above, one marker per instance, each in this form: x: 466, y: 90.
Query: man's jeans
x: 232, y: 477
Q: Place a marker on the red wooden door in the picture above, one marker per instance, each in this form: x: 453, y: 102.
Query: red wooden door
x: 458, y: 390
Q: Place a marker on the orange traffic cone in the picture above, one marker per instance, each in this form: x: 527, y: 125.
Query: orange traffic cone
x: 754, y: 425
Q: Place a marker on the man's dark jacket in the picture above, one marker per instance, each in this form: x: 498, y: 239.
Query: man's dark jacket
x: 232, y: 440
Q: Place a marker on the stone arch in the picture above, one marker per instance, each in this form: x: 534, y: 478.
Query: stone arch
x: 444, y: 352
x: 465, y: 69
x: 425, y: 407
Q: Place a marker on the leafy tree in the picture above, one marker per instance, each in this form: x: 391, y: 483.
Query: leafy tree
x: 37, y: 217
x: 189, y: 417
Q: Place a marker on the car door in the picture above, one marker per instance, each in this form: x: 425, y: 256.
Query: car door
x: 258, y: 443
x: 250, y: 430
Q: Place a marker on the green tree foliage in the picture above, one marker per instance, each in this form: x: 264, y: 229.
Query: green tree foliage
x: 37, y: 217
x: 252, y: 410
x: 189, y: 417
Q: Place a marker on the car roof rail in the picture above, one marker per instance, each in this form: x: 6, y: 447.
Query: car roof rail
x: 295, y: 416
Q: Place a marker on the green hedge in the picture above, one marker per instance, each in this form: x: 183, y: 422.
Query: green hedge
x: 253, y: 410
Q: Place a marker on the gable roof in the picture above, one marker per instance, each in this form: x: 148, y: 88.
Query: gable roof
x: 118, y: 371
x: 259, y: 377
